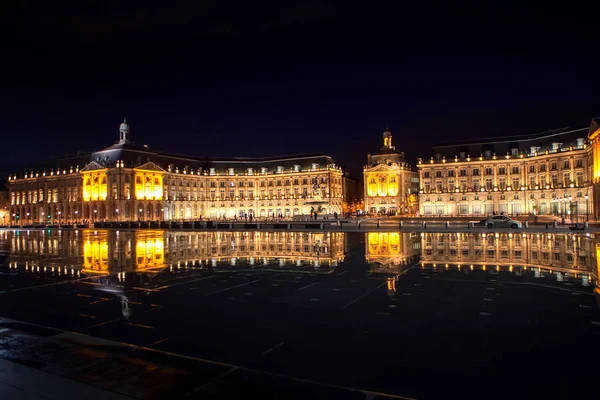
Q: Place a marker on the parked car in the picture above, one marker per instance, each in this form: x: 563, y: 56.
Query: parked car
x: 501, y: 221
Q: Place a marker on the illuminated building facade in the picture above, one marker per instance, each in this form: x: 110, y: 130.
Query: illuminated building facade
x: 125, y: 182
x: 90, y: 252
x: 4, y: 208
x: 390, y: 184
x: 547, y: 173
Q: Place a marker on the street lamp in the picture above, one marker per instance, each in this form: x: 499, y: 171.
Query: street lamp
x: 140, y: 214
x: 75, y: 216
x: 117, y: 211
x: 95, y: 212
x: 59, y: 214
x: 457, y: 208
x: 162, y: 211
x: 42, y: 214
x: 587, y: 212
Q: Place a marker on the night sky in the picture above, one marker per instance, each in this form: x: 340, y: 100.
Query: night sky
x: 226, y: 78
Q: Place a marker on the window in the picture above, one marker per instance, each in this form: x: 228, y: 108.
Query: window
x: 579, y: 163
x: 488, y: 184
x: 425, y: 174
x: 450, y: 173
x: 488, y: 171
x: 542, y: 167
x: 502, y: 183
x: 516, y: 183
x: 476, y: 185
x: 515, y: 169
x: 554, y: 180
x: 566, y: 179
x: 566, y: 164
x: 475, y: 171
x: 532, y: 168
x: 438, y: 174
x: 553, y: 166
x: 579, y: 179
x: 451, y: 185
x: 501, y: 170
x: 463, y: 172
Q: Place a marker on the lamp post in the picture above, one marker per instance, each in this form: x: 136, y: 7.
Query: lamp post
x: 457, y: 208
x: 42, y: 214
x: 587, y: 210
x: 28, y: 218
x: 76, y: 216
x: 117, y: 211
x: 140, y: 214
x: 162, y: 213
x: 14, y: 217
x: 571, y: 208
x: 95, y: 212
x: 59, y: 217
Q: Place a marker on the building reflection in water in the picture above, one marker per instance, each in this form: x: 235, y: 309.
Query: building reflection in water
x: 102, y: 251
x: 391, y: 253
x: 562, y: 256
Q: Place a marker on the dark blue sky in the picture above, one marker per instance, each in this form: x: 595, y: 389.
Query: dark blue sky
x: 228, y: 78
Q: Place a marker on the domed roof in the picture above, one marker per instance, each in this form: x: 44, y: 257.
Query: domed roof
x: 124, y: 125
x: 387, y: 132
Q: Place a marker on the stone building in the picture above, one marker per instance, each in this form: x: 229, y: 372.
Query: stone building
x: 4, y: 208
x: 390, y: 183
x: 126, y: 182
x: 546, y: 173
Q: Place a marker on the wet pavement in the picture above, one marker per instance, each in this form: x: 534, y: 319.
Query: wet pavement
x: 353, y: 326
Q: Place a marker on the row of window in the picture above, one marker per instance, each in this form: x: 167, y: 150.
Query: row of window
x: 490, y: 197
x: 534, y: 182
x: 492, y: 253
x: 515, y: 169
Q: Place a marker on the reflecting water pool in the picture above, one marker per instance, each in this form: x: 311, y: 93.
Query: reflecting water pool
x: 569, y: 256
x: 376, y: 313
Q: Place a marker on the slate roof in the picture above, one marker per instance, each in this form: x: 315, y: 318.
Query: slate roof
x: 504, y: 144
x: 133, y: 156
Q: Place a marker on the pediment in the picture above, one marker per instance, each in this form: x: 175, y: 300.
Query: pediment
x: 382, y: 167
x: 150, y: 166
x: 92, y: 166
